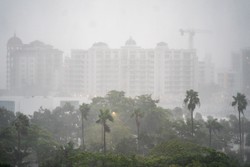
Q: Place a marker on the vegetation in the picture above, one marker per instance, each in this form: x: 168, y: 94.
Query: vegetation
x: 104, y: 116
x: 191, y: 101
x: 213, y: 126
x: 137, y: 114
x: 57, y: 137
x: 84, y: 109
x: 241, y: 103
x: 21, y: 124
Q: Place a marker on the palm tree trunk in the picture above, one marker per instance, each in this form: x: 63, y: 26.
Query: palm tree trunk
x: 243, y: 138
x: 104, y: 139
x: 240, y: 135
x: 210, y: 137
x: 138, y: 133
x: 83, y: 146
x: 18, y: 149
x: 138, y: 140
x: 192, y: 121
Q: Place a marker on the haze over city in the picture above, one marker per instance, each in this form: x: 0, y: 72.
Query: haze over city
x: 115, y: 83
x: 78, y: 24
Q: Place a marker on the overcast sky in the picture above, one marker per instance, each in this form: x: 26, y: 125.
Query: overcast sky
x: 68, y: 24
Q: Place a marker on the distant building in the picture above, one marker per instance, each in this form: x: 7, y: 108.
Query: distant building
x: 7, y: 104
x: 237, y: 69
x: 136, y: 66
x: 240, y: 64
x: 101, y: 69
x: 161, y: 71
x: 175, y: 71
x: 226, y: 81
x: 206, y: 72
x: 246, y: 71
x: 32, y: 69
x: 76, y: 73
x: 29, y: 104
x: 201, y: 73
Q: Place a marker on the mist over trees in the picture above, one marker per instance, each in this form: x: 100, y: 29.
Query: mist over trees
x: 124, y: 83
x: 140, y: 134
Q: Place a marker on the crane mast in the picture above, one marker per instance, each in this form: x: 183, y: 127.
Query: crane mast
x: 191, y: 33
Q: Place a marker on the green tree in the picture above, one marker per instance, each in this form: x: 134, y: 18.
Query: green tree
x: 84, y: 109
x: 32, y: 140
x: 104, y: 116
x: 6, y: 117
x: 62, y: 122
x: 137, y: 114
x: 145, y: 103
x: 115, y: 100
x: 8, y: 140
x: 177, y: 113
x: 61, y: 156
x: 21, y: 124
x: 191, y: 101
x: 240, y: 102
x: 126, y: 146
x: 185, y: 153
x: 213, y: 125
x: 41, y: 143
x: 68, y: 107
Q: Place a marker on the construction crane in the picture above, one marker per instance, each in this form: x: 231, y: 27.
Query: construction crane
x: 191, y: 33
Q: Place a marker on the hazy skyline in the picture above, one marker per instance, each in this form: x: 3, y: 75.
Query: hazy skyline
x: 79, y: 23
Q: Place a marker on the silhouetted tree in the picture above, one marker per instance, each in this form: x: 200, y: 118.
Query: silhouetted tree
x: 240, y: 102
x: 21, y: 124
x: 104, y: 116
x: 137, y: 113
x: 213, y: 125
x: 6, y: 117
x: 84, y: 109
x: 191, y: 100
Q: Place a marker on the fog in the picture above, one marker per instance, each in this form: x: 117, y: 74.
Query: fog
x: 221, y: 27
x: 79, y: 23
x: 151, y: 82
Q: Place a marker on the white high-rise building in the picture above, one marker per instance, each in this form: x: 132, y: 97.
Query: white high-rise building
x: 32, y: 69
x: 175, y: 72
x: 76, y: 73
x: 103, y: 69
x: 206, y: 72
x: 137, y: 69
x: 165, y: 73
x: 240, y: 63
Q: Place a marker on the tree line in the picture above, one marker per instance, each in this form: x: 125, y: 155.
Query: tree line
x: 116, y: 129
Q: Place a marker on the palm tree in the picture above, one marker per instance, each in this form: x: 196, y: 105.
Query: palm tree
x: 241, y: 103
x: 104, y: 116
x: 213, y: 125
x: 191, y: 100
x: 21, y: 124
x: 137, y: 114
x: 84, y: 109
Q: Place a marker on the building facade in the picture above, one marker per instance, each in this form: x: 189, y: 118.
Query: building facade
x: 240, y: 68
x: 206, y: 72
x: 246, y: 71
x: 226, y: 81
x: 32, y: 68
x: 175, y: 71
x: 75, y: 73
x: 160, y: 71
